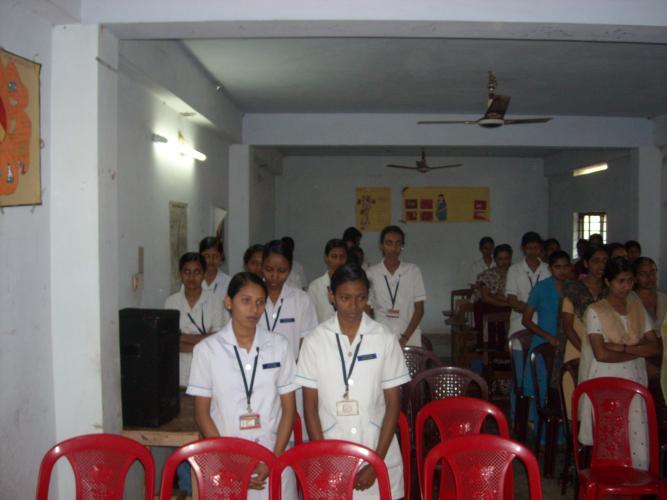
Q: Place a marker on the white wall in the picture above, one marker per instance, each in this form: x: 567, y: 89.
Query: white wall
x: 614, y: 191
x: 315, y: 199
x: 148, y: 179
x: 27, y: 419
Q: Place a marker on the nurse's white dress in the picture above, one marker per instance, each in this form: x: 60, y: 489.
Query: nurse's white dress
x: 380, y: 365
x: 215, y: 374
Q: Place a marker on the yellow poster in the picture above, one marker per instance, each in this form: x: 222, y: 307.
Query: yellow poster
x: 446, y: 204
x: 20, y: 182
x: 373, y: 208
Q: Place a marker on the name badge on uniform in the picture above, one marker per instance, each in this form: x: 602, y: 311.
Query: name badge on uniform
x: 249, y: 421
x: 287, y: 320
x: 393, y: 313
x: 347, y: 408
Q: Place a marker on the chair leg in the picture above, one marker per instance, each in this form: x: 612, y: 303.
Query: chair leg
x: 538, y: 436
x: 521, y: 418
x: 567, y: 462
x: 550, y: 447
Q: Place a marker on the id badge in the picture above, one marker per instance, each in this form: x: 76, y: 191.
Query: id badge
x: 347, y: 408
x: 393, y: 313
x: 249, y: 421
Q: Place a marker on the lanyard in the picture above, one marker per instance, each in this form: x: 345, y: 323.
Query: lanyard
x: 392, y: 296
x: 201, y: 330
x: 275, y: 321
x: 537, y: 278
x: 347, y: 375
x: 248, y: 390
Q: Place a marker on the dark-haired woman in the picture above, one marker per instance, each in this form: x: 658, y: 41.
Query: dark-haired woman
x: 335, y: 255
x: 351, y: 368
x: 242, y: 379
x: 621, y: 337
x: 201, y: 311
x: 577, y: 296
x: 215, y: 281
x: 252, y: 259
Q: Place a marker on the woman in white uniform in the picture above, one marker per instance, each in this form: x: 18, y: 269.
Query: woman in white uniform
x: 215, y: 281
x: 351, y: 368
x: 397, y: 293
x: 243, y: 381
x: 288, y: 310
x: 621, y: 336
x: 335, y: 255
x: 201, y: 312
x: 252, y: 259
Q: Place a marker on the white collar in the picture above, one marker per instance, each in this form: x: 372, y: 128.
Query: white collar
x: 366, y: 327
x: 226, y: 337
x: 203, y: 298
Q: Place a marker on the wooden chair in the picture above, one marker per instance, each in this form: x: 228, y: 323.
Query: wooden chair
x: 520, y: 424
x: 461, y: 308
x: 571, y: 369
x: 498, y: 365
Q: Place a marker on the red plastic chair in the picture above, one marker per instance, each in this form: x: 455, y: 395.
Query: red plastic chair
x: 327, y: 469
x: 611, y: 471
x: 100, y: 463
x: 222, y: 466
x: 406, y: 452
x: 480, y: 464
x: 457, y: 416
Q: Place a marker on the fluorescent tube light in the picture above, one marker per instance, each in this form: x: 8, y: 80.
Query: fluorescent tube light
x: 179, y: 148
x: 590, y: 169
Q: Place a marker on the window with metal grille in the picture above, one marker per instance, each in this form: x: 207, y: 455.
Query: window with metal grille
x: 587, y: 223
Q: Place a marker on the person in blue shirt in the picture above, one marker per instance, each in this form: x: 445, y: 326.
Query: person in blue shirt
x: 545, y: 299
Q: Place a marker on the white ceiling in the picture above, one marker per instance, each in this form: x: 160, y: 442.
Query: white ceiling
x: 438, y: 76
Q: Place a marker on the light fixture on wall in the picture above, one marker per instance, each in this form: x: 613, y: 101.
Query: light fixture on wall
x: 590, y: 169
x: 179, y: 147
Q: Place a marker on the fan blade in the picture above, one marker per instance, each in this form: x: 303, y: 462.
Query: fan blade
x: 498, y: 106
x: 447, y: 166
x: 447, y: 122
x: 523, y: 121
x: 401, y: 166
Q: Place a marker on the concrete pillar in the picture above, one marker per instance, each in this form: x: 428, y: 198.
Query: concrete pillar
x: 238, y: 229
x: 650, y: 202
x: 84, y: 263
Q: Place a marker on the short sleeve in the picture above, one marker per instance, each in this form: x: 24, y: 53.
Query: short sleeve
x: 394, y: 370
x: 286, y: 382
x: 512, y: 284
x: 592, y: 322
x: 419, y: 290
x: 568, y: 306
x: 200, y: 383
x: 306, y: 368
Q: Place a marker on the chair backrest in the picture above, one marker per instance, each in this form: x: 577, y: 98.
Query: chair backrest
x: 570, y: 368
x: 427, y: 343
x: 327, y: 469
x: 495, y: 327
x: 457, y: 416
x: 610, y: 399
x: 100, y: 463
x: 548, y: 354
x: 419, y: 359
x: 222, y: 466
x: 523, y: 338
x: 406, y: 452
x: 480, y: 464
x: 460, y: 305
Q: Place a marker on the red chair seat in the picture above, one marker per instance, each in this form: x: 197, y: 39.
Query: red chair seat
x: 616, y: 480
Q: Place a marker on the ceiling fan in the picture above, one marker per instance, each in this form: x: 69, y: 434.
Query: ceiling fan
x: 421, y: 165
x: 495, y: 112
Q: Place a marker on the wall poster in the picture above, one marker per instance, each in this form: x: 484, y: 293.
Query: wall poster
x: 20, y: 176
x: 178, y: 239
x: 446, y: 204
x: 372, y: 208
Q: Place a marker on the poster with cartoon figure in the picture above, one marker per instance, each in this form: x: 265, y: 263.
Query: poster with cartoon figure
x: 20, y: 176
x: 373, y: 208
x: 446, y: 204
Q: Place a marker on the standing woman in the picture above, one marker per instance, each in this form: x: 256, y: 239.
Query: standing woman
x: 351, y: 368
x: 201, y: 311
x: 335, y: 255
x: 621, y: 337
x: 215, y: 281
x: 398, y: 292
x: 545, y: 300
x: 288, y: 310
x: 577, y: 296
x: 252, y: 259
x: 243, y: 381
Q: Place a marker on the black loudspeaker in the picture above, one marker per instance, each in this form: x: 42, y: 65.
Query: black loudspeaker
x: 149, y: 346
